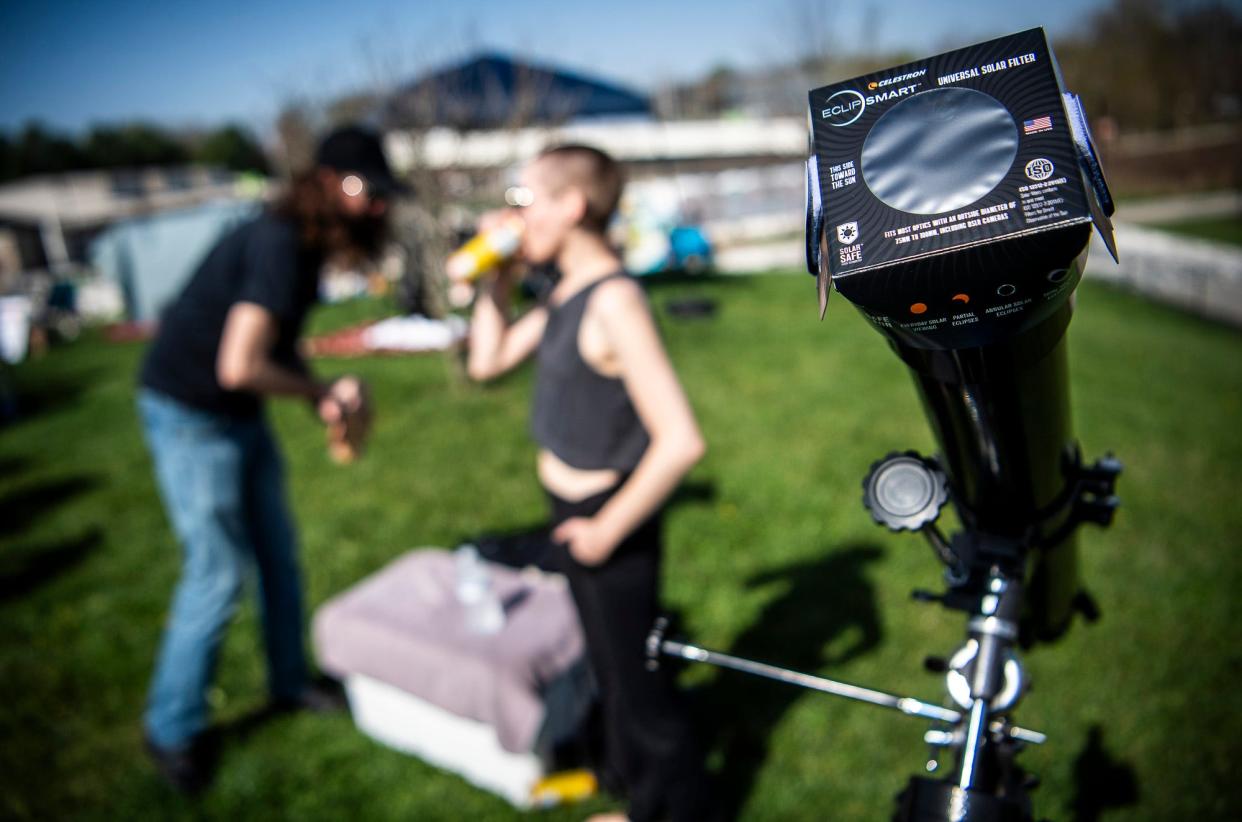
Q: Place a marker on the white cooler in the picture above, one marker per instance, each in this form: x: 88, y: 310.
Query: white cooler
x: 488, y: 707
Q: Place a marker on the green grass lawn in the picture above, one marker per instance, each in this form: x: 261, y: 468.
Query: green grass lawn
x: 769, y: 555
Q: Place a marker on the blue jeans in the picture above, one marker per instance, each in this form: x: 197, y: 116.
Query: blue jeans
x: 222, y: 482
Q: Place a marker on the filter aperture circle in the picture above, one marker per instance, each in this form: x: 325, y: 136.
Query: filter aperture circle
x: 939, y: 150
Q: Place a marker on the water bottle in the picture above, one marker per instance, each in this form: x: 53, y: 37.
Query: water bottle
x: 484, y: 614
x: 485, y: 251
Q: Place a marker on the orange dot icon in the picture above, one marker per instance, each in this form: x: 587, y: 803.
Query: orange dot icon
x: 918, y: 308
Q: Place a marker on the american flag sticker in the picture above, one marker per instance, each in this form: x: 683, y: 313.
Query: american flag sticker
x: 1037, y: 125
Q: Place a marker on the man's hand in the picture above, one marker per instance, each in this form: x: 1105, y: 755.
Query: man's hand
x: 589, y: 542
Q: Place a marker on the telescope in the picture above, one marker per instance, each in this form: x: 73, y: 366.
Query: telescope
x: 951, y: 200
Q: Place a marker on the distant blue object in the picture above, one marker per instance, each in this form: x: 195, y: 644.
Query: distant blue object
x: 63, y: 296
x: 152, y: 258
x: 690, y: 249
x: 654, y: 250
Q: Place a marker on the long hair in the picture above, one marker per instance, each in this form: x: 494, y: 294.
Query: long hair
x: 321, y: 225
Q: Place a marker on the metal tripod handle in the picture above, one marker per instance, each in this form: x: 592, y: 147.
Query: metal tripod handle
x: 905, y: 704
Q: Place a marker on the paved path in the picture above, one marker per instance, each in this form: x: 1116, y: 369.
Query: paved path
x: 1198, y: 275
x: 1177, y: 209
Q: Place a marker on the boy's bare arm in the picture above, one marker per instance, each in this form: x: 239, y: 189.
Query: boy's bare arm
x: 676, y: 442
x: 496, y: 346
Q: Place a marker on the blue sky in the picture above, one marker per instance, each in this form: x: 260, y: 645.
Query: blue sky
x: 72, y: 63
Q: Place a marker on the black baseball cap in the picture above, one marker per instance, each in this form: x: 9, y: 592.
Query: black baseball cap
x: 358, y: 149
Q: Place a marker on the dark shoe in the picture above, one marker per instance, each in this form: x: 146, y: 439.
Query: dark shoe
x: 187, y: 768
x: 323, y: 696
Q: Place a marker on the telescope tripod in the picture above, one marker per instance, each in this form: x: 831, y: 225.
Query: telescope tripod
x: 984, y: 678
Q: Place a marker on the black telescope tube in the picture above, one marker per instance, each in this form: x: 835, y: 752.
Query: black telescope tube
x: 996, y: 394
x: 1001, y: 415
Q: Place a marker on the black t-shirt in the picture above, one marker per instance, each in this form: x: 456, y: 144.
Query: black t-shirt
x: 259, y: 262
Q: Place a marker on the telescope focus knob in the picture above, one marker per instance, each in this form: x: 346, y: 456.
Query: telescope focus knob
x: 905, y: 491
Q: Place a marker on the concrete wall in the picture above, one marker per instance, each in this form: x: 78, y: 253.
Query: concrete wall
x: 1199, y: 276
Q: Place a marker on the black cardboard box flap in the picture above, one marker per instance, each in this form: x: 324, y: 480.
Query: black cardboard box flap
x: 967, y: 147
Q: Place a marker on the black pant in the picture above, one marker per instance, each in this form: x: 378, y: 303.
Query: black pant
x: 648, y: 736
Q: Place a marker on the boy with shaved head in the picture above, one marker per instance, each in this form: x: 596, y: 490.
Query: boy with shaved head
x: 616, y: 435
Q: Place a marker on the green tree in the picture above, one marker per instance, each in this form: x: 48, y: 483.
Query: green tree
x: 132, y: 145
x: 40, y: 151
x: 8, y: 158
x: 234, y: 148
x: 1208, y: 37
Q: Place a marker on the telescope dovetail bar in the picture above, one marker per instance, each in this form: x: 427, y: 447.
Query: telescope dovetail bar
x: 658, y: 644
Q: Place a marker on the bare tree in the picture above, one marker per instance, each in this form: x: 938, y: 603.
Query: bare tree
x: 810, y: 23
x: 1155, y: 65
x: 295, y: 135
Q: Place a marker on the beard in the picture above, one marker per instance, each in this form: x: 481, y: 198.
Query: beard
x: 364, y: 236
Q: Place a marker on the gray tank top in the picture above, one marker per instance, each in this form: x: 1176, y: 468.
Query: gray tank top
x: 581, y: 416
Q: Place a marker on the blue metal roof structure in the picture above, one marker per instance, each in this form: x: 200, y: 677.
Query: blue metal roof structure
x: 493, y: 90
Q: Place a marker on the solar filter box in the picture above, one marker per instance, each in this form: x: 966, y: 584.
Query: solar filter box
x: 952, y: 198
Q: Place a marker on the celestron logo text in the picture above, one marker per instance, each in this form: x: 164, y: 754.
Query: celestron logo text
x: 846, y: 106
x: 896, y: 78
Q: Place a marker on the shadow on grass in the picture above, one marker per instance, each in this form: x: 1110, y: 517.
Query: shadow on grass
x: 40, y: 565
x: 682, y: 277
x: 825, y: 601
x: 11, y: 465
x: 47, y: 394
x: 239, y: 729
x: 1102, y: 782
x: 692, y: 493
x: 24, y: 506
x: 327, y: 698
